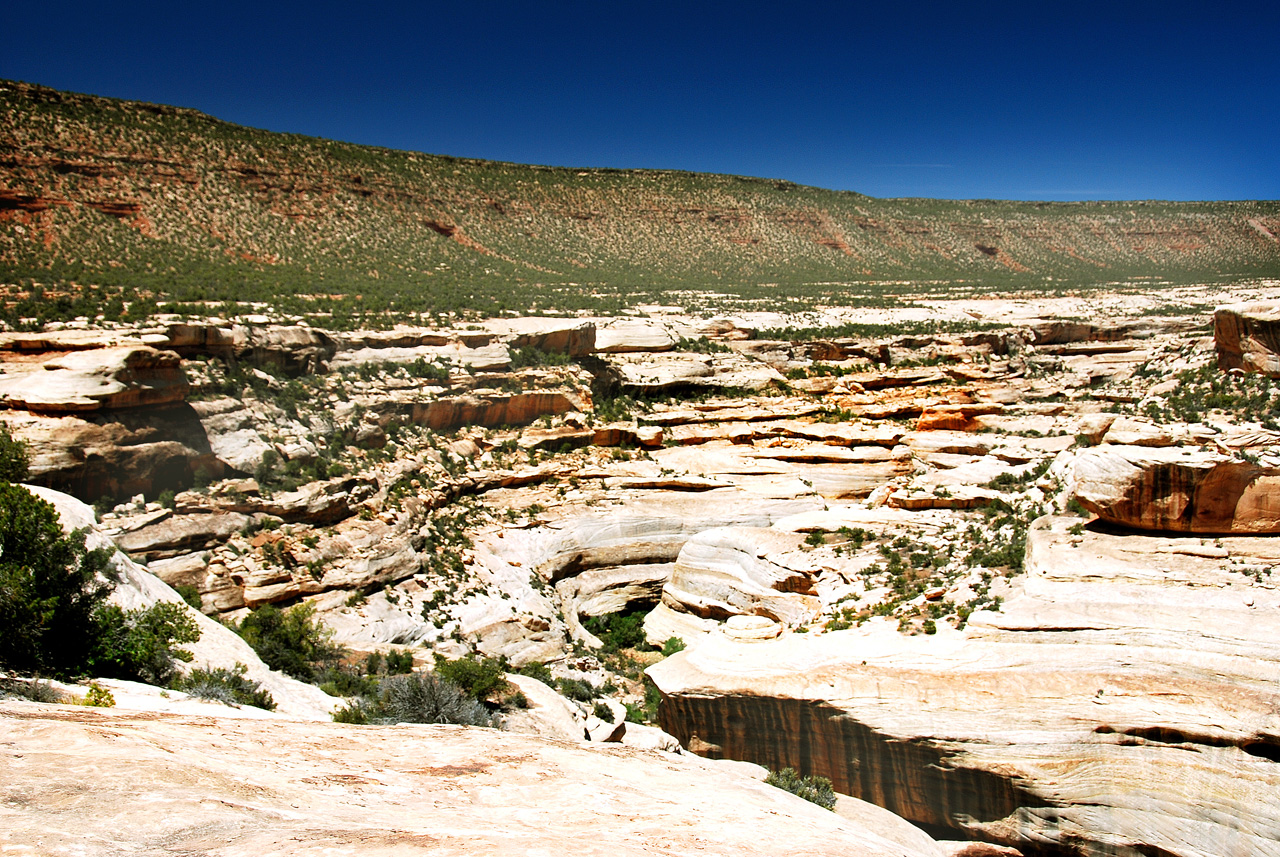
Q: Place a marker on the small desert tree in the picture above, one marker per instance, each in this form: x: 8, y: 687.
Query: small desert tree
x: 53, y: 613
x: 51, y: 587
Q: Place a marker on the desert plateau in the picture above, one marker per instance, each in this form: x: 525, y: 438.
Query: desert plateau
x: 655, y: 485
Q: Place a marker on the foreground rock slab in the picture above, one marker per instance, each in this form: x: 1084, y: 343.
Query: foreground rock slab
x: 206, y: 785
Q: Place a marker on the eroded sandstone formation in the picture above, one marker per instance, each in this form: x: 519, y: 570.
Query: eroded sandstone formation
x: 1122, y: 701
x: 1175, y: 489
x: 1247, y: 337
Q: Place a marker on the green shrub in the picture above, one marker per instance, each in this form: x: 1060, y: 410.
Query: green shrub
x: 480, y: 679
x: 225, y: 685
x: 618, y: 630
x: 357, y: 711
x: 539, y: 671
x: 429, y: 698
x: 35, y: 690
x: 813, y: 789
x: 338, y: 679
x: 98, y: 697
x: 292, y: 641
x: 604, y: 712
x: 647, y: 712
x: 141, y: 645
x: 13, y: 457
x: 578, y: 689
x: 190, y: 594
x: 51, y: 585
x: 671, y: 646
x: 399, y: 661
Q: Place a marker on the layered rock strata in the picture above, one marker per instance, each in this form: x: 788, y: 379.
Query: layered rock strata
x: 1122, y: 702
x: 1247, y: 338
x: 1177, y: 489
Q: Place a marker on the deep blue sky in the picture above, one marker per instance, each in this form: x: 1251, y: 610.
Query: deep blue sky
x: 1027, y: 100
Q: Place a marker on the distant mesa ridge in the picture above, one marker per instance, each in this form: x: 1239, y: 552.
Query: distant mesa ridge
x: 120, y: 193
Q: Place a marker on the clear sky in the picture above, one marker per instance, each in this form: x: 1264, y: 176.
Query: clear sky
x: 1038, y: 99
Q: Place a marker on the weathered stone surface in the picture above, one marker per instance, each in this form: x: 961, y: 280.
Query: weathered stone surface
x: 664, y: 371
x: 489, y: 409
x: 963, y: 497
x: 316, y: 503
x: 548, y: 715
x: 245, y: 787
x: 128, y: 377
x: 618, y: 336
x: 572, y: 336
x: 116, y: 453
x: 485, y: 358
x: 1247, y: 337
x: 956, y: 417
x: 743, y: 571
x: 1123, y: 701
x: 182, y: 533
x: 1178, y: 490
x: 292, y: 350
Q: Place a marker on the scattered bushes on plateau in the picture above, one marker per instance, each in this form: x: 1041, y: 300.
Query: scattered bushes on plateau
x: 813, y: 789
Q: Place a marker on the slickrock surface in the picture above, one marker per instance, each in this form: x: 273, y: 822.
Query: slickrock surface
x: 99, y: 782
x: 1124, y: 701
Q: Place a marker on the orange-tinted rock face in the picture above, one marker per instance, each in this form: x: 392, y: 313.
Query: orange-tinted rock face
x: 1171, y: 489
x: 1247, y: 337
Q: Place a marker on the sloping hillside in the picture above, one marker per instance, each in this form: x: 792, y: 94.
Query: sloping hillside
x: 186, y: 207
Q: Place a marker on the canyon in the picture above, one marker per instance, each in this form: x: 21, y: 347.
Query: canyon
x: 968, y: 507
x: 1012, y: 584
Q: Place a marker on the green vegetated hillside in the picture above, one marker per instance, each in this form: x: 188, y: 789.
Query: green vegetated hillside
x: 181, y: 206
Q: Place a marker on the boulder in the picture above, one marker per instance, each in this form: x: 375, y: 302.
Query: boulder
x: 1247, y: 337
x: 182, y: 534
x: 956, y: 417
x: 1177, y: 489
x: 127, y: 377
x: 547, y: 713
